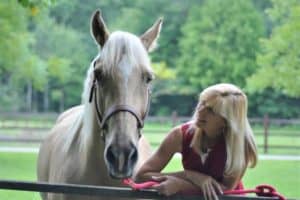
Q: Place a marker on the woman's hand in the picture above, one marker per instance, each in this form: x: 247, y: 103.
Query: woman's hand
x: 168, y: 185
x: 208, y: 185
x: 210, y: 188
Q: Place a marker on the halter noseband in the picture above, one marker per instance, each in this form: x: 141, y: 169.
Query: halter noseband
x: 102, y: 119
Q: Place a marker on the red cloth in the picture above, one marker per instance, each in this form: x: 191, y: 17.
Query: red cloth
x: 214, y: 164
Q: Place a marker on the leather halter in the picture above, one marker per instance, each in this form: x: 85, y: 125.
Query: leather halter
x: 102, y: 119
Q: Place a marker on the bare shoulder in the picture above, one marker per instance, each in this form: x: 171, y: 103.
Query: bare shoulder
x: 173, y: 140
x: 175, y: 133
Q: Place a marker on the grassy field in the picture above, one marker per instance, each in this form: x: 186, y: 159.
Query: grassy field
x: 284, y: 175
x: 18, y: 166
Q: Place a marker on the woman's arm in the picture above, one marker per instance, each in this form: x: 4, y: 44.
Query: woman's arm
x: 231, y: 182
x: 153, y: 166
x: 171, y: 183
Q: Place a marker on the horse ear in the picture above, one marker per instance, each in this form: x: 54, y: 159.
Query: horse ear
x: 150, y: 37
x: 98, y: 28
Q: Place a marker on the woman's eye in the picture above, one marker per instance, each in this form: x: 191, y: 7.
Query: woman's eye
x: 210, y: 109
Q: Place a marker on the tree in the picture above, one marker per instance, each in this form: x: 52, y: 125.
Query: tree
x: 15, y: 52
x: 66, y: 57
x: 164, y: 79
x: 279, y: 63
x: 219, y: 44
x: 142, y: 13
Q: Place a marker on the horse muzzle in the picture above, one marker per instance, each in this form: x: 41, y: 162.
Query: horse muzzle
x: 121, y: 160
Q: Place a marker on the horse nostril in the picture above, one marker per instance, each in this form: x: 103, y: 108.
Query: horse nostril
x: 133, y: 156
x: 121, y: 159
x: 111, y: 155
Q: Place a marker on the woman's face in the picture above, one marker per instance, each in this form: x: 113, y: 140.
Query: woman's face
x: 213, y: 124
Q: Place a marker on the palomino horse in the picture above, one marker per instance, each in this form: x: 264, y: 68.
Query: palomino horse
x: 100, y: 141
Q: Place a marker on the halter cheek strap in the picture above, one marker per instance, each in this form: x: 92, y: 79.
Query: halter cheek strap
x: 102, y: 119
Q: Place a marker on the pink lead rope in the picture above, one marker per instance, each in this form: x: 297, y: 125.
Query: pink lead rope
x: 139, y: 186
x: 260, y: 190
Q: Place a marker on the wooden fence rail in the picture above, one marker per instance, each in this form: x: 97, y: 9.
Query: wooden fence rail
x: 13, y: 139
x: 45, y: 121
x: 174, y: 119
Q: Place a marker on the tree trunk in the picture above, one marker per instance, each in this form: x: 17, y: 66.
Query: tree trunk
x: 62, y: 101
x: 29, y: 97
x: 46, y: 98
x: 34, y: 104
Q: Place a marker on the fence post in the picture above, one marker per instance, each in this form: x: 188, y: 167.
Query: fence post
x: 174, y: 118
x: 266, y: 132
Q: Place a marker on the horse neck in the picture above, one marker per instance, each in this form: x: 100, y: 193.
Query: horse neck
x: 90, y: 135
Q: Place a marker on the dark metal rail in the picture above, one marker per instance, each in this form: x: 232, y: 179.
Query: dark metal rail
x: 108, y: 192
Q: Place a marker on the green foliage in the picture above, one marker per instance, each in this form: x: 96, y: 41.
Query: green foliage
x: 143, y: 13
x: 8, y: 98
x: 164, y: 79
x: 14, y: 50
x: 219, y: 43
x: 31, y: 3
x: 45, y: 48
x: 14, y: 37
x: 59, y: 68
x: 66, y: 57
x: 273, y: 103
x: 279, y: 62
x: 35, y: 71
x: 162, y: 72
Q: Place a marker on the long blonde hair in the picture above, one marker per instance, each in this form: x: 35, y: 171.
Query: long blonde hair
x: 231, y: 103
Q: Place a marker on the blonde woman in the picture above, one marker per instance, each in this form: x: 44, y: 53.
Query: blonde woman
x: 217, y: 146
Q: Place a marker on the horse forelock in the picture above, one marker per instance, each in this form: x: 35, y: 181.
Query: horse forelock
x: 119, y: 45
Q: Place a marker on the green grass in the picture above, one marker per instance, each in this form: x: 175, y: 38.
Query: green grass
x: 18, y: 166
x: 283, y: 175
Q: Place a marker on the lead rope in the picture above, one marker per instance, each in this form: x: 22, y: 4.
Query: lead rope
x: 260, y: 190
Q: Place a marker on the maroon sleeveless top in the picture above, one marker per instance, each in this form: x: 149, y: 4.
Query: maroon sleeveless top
x: 214, y: 165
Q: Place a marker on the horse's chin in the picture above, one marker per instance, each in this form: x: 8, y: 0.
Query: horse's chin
x: 120, y: 175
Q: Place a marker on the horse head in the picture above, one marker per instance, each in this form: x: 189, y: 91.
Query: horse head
x: 120, y: 92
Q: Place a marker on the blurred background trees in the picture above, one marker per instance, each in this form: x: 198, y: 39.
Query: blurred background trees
x: 46, y: 48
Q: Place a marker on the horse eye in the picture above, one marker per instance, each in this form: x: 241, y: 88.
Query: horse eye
x: 98, y: 74
x: 148, y: 78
